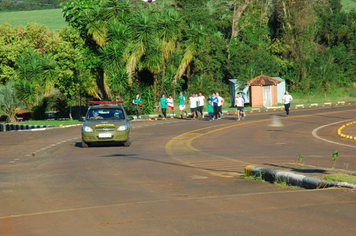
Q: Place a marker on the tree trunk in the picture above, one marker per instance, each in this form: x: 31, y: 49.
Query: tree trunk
x: 100, y: 82
x: 238, y: 10
x: 324, y: 85
x: 163, y: 73
x: 155, y: 83
x: 70, y: 113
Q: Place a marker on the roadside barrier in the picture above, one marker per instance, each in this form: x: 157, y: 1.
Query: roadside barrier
x: 17, y: 127
x: 342, y: 135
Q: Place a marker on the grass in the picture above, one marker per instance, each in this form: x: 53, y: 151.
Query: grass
x: 341, y: 178
x: 50, y: 17
x: 335, y: 95
x: 283, y: 184
x: 349, y: 5
x: 50, y: 122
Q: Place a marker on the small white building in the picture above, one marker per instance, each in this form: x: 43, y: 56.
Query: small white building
x: 281, y: 89
x: 236, y: 84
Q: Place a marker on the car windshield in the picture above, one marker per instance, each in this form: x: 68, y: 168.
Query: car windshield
x: 106, y: 113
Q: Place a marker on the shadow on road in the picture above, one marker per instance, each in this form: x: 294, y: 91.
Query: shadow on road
x: 299, y: 170
x: 98, y: 145
x: 174, y: 164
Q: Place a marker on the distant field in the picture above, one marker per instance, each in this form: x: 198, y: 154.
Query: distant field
x: 349, y: 5
x: 51, y: 17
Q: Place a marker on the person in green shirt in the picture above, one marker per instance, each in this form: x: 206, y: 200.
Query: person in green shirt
x: 163, y: 104
x: 182, y: 105
x: 138, y: 103
x: 210, y: 106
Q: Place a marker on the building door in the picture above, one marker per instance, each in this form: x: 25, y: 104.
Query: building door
x: 267, y: 98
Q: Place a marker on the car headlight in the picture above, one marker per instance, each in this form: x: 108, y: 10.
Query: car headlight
x: 87, y: 129
x: 122, y: 128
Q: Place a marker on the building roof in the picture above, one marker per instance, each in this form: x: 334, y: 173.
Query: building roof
x: 263, y: 80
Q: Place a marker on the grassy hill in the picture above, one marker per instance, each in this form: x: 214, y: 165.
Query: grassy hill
x: 51, y: 17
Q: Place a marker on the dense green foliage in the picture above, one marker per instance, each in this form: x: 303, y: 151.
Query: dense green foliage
x: 44, y: 66
x: 128, y: 47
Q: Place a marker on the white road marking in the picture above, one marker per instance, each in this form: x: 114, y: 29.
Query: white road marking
x: 314, y: 133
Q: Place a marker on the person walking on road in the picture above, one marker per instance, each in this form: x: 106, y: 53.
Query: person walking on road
x: 182, y: 105
x: 137, y: 103
x: 215, y: 101
x: 239, y: 103
x: 287, y: 99
x: 220, y: 104
x: 170, y: 103
x: 163, y: 105
x: 201, y: 101
x: 193, y: 105
x: 210, y: 106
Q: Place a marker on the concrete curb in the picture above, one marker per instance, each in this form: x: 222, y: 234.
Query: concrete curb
x: 51, y: 128
x: 290, y: 178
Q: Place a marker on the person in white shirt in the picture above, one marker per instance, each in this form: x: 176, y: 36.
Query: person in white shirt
x: 193, y: 105
x: 220, y: 104
x: 239, y: 103
x: 170, y: 104
x: 287, y: 98
x: 201, y: 103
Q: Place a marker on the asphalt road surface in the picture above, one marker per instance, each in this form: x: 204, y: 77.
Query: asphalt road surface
x: 179, y: 177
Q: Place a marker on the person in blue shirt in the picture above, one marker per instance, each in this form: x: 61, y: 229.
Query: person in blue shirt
x: 163, y: 104
x: 215, y: 100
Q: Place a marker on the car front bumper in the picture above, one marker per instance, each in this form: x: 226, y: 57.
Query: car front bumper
x: 116, y: 136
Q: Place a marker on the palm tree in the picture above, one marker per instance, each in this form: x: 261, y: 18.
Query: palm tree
x: 37, y: 76
x: 143, y: 34
x: 9, y: 102
x: 195, y: 40
x: 152, y: 62
x: 168, y: 32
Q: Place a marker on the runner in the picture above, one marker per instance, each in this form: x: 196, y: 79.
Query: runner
x: 239, y: 103
x: 163, y: 105
x: 138, y: 103
x: 182, y: 105
x: 215, y: 101
x: 193, y: 105
x: 287, y: 100
x: 220, y: 104
x: 201, y: 101
x: 170, y: 103
x: 210, y: 106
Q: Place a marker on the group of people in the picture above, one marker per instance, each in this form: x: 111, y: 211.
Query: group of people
x: 197, y: 102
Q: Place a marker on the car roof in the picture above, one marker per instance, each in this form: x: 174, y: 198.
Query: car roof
x: 106, y: 106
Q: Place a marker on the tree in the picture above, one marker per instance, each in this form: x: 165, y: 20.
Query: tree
x: 39, y: 72
x: 169, y: 28
x: 9, y: 102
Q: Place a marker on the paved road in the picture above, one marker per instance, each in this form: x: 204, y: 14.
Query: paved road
x: 177, y: 178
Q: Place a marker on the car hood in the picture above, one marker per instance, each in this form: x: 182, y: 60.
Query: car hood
x: 106, y: 123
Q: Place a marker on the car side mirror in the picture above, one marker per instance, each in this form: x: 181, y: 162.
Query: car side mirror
x: 81, y: 119
x: 130, y: 118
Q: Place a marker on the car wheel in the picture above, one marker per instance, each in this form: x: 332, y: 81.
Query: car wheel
x: 85, y: 145
x: 127, y: 143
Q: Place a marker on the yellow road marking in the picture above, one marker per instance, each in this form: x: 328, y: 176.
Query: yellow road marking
x: 181, y: 145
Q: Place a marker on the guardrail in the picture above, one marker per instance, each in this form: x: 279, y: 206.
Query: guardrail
x: 16, y: 127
